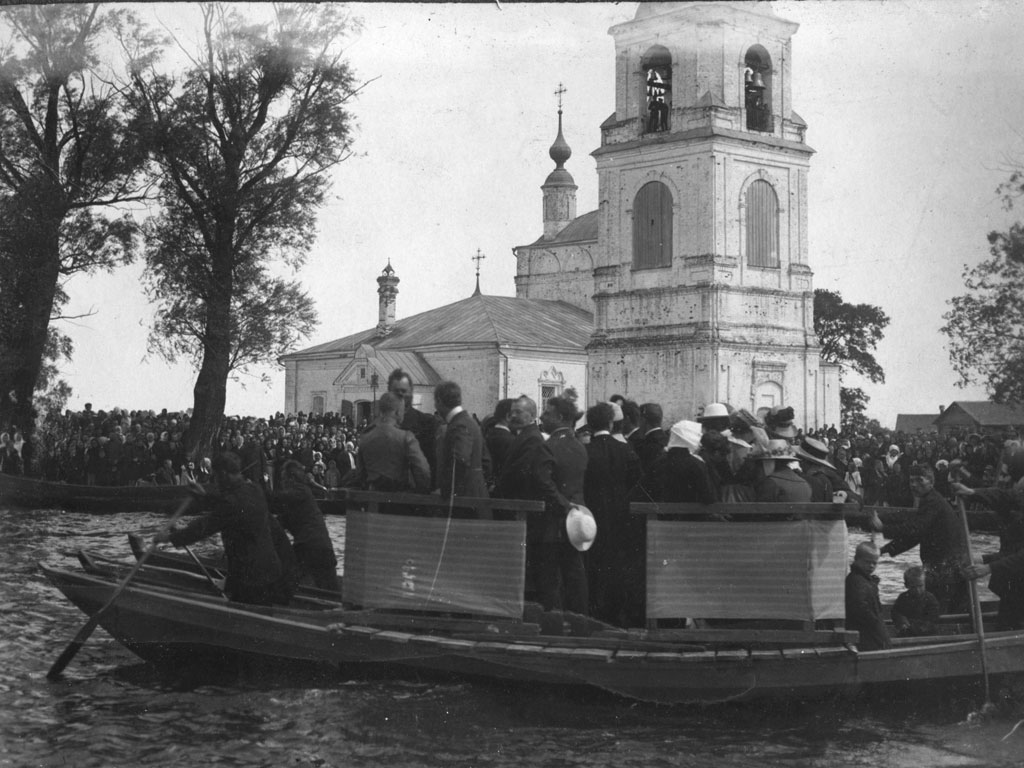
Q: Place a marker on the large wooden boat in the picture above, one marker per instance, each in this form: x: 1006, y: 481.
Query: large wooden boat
x: 18, y: 491
x: 445, y: 593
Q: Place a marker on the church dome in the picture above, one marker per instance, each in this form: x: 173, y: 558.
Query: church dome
x: 560, y: 151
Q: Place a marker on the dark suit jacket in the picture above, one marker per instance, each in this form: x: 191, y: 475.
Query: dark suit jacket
x: 499, y: 442
x: 460, y: 470
x: 613, y: 470
x: 650, y: 448
x: 390, y: 459
x: 529, y: 473
x: 424, y: 427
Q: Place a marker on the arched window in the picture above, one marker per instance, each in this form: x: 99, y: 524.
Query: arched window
x: 652, y: 226
x: 762, y: 207
x: 656, y: 66
x: 757, y: 87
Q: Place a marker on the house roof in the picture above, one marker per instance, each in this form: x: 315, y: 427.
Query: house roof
x: 479, y: 319
x: 912, y: 422
x: 383, y: 362
x: 580, y: 230
x: 986, y: 413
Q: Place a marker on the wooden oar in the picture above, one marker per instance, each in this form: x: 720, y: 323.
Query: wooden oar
x: 83, y: 634
x: 979, y: 626
x: 206, y: 573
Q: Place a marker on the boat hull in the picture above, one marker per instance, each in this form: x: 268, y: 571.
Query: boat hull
x: 168, y: 626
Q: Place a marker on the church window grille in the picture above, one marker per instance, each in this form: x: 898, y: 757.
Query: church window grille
x: 362, y: 373
x: 757, y: 89
x: 318, y: 403
x: 762, y: 210
x: 656, y: 68
x: 652, y: 226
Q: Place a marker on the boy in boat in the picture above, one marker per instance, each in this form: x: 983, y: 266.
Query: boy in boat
x: 863, y: 607
x: 238, y: 512
x: 917, y: 610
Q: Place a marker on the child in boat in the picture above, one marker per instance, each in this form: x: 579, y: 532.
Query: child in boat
x: 863, y: 607
x: 917, y: 610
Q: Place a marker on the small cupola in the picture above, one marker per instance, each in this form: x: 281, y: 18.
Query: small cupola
x: 559, y: 188
x: 387, y: 292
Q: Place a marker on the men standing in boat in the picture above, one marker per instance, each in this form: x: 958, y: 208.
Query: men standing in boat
x: 934, y: 526
x: 422, y: 425
x: 390, y: 458
x: 461, y: 450
x: 237, y: 510
x: 863, y: 606
x: 300, y: 515
x: 530, y: 472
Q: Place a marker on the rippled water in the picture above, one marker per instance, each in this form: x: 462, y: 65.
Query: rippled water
x: 113, y: 710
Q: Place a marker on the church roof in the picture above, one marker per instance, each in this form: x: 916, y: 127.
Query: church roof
x: 580, y: 230
x: 478, y: 319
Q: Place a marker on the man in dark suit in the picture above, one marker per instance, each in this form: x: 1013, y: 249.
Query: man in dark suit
x: 499, y: 437
x: 615, y: 562
x: 461, y: 451
x: 389, y: 457
x: 650, y: 447
x: 422, y: 425
x: 531, y: 472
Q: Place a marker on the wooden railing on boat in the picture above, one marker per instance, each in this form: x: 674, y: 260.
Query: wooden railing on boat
x: 421, y: 553
x: 767, y: 566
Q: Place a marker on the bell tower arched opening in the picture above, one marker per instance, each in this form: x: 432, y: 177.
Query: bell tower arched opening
x: 757, y: 88
x: 656, y: 68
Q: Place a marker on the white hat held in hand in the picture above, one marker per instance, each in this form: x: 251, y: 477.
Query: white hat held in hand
x: 581, y: 527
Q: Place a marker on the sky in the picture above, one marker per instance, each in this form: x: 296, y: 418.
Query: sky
x: 914, y: 110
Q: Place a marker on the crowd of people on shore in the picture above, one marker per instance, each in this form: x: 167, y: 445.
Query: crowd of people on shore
x: 586, y: 468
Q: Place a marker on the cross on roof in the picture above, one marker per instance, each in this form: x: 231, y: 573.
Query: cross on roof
x: 558, y: 93
x: 478, y: 258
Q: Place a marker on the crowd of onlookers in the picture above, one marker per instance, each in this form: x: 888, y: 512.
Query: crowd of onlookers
x: 121, y: 447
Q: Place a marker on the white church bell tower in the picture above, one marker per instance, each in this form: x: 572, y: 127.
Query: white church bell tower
x: 703, y: 288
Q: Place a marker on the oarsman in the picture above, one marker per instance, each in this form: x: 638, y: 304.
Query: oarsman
x: 422, y: 425
x: 390, y: 458
x: 298, y: 512
x: 461, y: 451
x: 237, y: 510
x: 934, y: 526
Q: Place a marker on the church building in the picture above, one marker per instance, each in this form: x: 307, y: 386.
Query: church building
x: 689, y: 284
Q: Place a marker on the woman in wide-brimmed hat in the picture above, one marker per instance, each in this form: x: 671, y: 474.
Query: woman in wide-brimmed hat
x: 780, y: 482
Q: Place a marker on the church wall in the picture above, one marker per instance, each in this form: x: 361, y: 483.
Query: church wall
x: 529, y: 372
x: 315, y: 377
x: 557, y: 273
x: 476, y: 370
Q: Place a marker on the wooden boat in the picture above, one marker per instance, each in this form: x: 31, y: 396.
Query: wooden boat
x: 433, y: 593
x: 18, y: 491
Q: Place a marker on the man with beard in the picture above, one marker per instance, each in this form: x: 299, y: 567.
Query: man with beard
x: 422, y: 425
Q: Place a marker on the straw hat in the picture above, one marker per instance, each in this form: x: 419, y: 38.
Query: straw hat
x: 581, y: 527
x: 779, y: 450
x: 815, y: 451
x: 685, y: 434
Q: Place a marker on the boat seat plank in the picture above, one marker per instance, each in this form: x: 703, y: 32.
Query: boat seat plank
x: 761, y: 655
x: 663, y: 657
x: 517, y: 649
x: 797, y: 653
x: 592, y: 654
x: 736, y: 655
x: 746, y: 637
x: 394, y: 637
x: 449, y: 643
x: 631, y: 656
x: 350, y: 630
x: 559, y: 652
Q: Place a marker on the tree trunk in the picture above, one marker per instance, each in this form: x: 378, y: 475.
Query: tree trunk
x: 210, y: 390
x: 30, y: 277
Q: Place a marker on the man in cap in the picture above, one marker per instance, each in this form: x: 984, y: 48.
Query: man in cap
x: 934, y: 526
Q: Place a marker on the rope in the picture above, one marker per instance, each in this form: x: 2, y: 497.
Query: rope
x: 447, y: 529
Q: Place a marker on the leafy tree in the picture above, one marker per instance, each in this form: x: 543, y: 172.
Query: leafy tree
x: 242, y: 142
x: 985, y: 326
x: 66, y: 157
x: 849, y: 334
